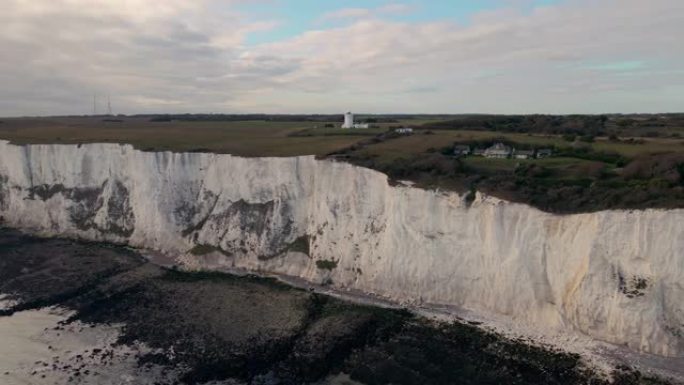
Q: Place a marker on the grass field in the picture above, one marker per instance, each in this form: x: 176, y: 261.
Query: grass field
x: 580, y: 177
x: 269, y: 138
x: 493, y: 164
x: 251, y: 138
x: 420, y: 143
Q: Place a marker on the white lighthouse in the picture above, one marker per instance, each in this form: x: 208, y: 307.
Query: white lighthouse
x: 348, y: 120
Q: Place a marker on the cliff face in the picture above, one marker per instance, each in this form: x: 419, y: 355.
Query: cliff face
x: 616, y: 275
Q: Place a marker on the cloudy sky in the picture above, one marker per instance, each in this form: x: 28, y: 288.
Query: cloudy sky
x: 327, y: 56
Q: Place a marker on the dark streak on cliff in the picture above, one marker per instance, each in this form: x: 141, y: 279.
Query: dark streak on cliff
x: 255, y: 220
x: 4, y: 192
x: 88, y: 201
x: 120, y: 217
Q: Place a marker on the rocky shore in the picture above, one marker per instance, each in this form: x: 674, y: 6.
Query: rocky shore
x: 103, y: 314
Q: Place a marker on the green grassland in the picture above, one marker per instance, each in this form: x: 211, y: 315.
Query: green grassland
x: 599, y: 162
x: 584, y: 174
x: 248, y: 138
x: 419, y: 143
x: 284, y: 138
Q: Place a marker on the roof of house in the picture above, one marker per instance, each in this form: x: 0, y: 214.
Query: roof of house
x: 499, y: 148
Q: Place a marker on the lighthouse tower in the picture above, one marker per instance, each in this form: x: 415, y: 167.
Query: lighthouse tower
x: 348, y: 120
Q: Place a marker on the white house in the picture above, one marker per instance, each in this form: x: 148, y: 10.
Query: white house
x: 499, y: 150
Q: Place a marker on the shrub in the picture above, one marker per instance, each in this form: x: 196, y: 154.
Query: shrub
x: 470, y: 196
x: 300, y: 245
x: 326, y: 265
x: 200, y: 250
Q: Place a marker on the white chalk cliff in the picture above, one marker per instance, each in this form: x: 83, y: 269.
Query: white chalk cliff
x: 617, y: 276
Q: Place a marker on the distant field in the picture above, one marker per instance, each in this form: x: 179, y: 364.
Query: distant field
x: 586, y: 173
x: 420, y: 143
x: 270, y: 138
x: 251, y: 138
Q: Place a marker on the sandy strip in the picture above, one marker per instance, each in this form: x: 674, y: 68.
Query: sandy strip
x: 37, y: 350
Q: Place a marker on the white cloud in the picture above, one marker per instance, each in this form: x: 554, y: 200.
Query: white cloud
x: 188, y: 55
x: 58, y: 53
x: 537, y: 58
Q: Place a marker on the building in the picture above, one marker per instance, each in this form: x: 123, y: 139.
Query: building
x: 461, y: 150
x: 523, y: 154
x: 348, y: 120
x: 404, y: 130
x: 544, y: 153
x: 499, y: 150
x: 479, y: 152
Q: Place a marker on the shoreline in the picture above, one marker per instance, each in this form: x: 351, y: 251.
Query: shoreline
x: 156, y: 267
x: 600, y: 355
